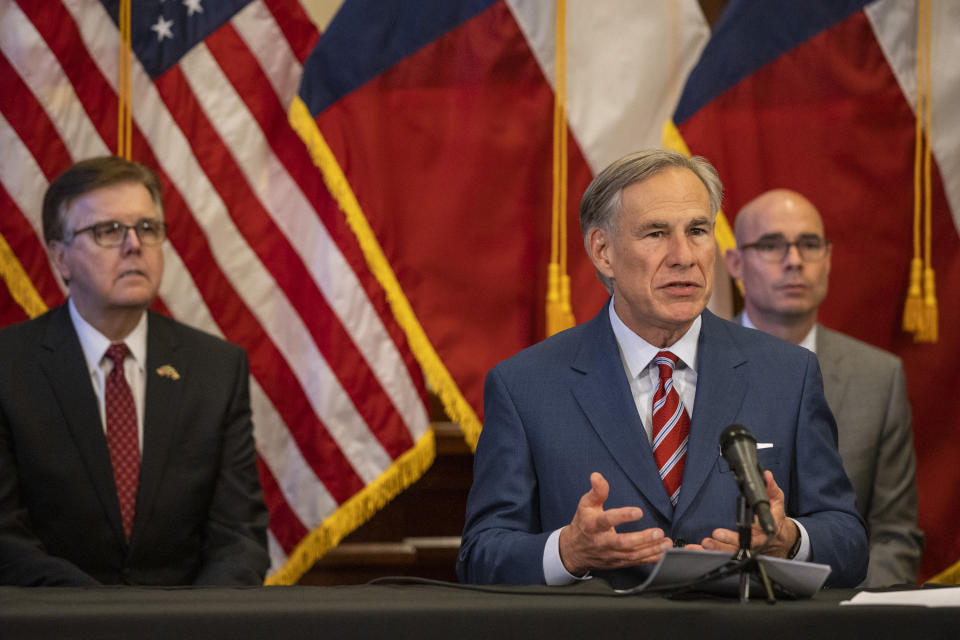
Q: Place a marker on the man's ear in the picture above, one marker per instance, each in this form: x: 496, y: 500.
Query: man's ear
x: 734, y: 263
x: 599, y: 244
x: 57, y: 251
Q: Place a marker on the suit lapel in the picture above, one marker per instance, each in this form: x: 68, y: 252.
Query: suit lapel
x: 604, y: 395
x: 62, y: 360
x: 720, y: 392
x: 160, y: 417
x: 831, y: 367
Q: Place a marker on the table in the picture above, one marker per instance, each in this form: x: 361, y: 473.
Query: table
x: 587, y: 610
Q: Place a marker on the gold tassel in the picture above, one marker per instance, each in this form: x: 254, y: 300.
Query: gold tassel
x: 558, y: 308
x: 565, y: 307
x: 913, y: 307
x: 559, y: 312
x: 929, y: 329
x: 553, y: 298
x: 920, y: 314
x: 929, y: 332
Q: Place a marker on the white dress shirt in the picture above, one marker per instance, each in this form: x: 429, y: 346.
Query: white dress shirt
x: 637, y: 356
x: 809, y: 342
x: 94, y: 345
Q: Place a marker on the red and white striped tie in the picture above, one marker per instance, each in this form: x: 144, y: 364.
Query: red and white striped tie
x: 671, y: 427
x: 122, y: 437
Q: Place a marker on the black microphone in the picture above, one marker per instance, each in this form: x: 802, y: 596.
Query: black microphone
x: 739, y: 449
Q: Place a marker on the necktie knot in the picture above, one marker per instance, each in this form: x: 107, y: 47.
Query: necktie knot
x: 666, y: 361
x: 117, y: 353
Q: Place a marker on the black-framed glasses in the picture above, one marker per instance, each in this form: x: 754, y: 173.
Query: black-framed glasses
x: 112, y: 233
x: 775, y: 248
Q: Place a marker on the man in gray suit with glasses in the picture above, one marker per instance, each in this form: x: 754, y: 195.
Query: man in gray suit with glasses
x: 783, y: 260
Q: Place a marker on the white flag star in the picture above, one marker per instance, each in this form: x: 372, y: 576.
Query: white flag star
x: 163, y: 29
x: 193, y: 7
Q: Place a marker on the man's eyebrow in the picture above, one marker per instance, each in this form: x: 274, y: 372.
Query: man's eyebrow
x: 771, y: 236
x: 700, y: 220
x: 653, y: 224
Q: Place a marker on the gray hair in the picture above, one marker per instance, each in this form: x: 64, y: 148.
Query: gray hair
x: 602, y: 199
x: 86, y: 176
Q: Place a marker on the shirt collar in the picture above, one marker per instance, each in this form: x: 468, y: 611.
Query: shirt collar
x: 637, y: 352
x: 809, y: 341
x: 95, y: 344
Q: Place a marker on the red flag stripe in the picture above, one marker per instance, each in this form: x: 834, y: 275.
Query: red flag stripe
x: 285, y: 526
x: 28, y: 249
x: 242, y: 70
x: 28, y: 119
x: 59, y: 32
x: 296, y: 26
x: 21, y: 183
x: 10, y: 311
x: 237, y: 260
x: 287, y: 146
x: 255, y: 222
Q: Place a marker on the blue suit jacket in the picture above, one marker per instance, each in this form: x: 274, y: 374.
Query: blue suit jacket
x: 562, y: 409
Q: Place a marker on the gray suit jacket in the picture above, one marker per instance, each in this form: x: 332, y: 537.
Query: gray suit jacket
x: 867, y: 393
x: 866, y: 390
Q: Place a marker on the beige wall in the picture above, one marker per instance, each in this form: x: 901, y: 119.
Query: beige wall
x: 321, y: 11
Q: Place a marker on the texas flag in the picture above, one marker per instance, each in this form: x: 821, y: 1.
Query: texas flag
x: 432, y: 123
x: 820, y: 97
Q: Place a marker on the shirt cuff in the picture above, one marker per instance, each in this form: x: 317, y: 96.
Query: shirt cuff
x: 803, y: 554
x: 554, y: 573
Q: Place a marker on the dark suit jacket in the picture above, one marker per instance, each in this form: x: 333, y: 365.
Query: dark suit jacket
x: 562, y: 409
x: 200, y: 516
x: 867, y: 392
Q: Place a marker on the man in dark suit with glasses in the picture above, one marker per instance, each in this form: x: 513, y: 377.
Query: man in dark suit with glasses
x: 126, y: 441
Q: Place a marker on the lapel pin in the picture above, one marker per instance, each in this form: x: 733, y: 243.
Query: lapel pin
x: 167, y: 371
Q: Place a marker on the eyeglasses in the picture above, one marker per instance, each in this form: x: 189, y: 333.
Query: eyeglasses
x: 775, y: 248
x: 112, y: 233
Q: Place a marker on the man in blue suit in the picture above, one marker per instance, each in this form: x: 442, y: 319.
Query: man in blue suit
x: 600, y: 444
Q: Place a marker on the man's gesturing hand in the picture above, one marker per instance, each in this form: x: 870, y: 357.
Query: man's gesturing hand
x: 591, y: 542
x: 787, y: 531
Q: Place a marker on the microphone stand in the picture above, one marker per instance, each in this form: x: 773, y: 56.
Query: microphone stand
x: 749, y: 565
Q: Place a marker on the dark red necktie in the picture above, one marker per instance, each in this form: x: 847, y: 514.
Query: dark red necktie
x: 122, y: 435
x: 671, y: 427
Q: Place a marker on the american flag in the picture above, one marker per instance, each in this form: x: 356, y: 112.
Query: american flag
x: 258, y: 252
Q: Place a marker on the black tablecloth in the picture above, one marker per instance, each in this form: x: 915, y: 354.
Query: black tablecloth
x: 588, y: 610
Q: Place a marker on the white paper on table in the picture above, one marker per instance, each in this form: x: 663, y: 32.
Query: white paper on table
x: 680, y: 566
x: 938, y: 597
